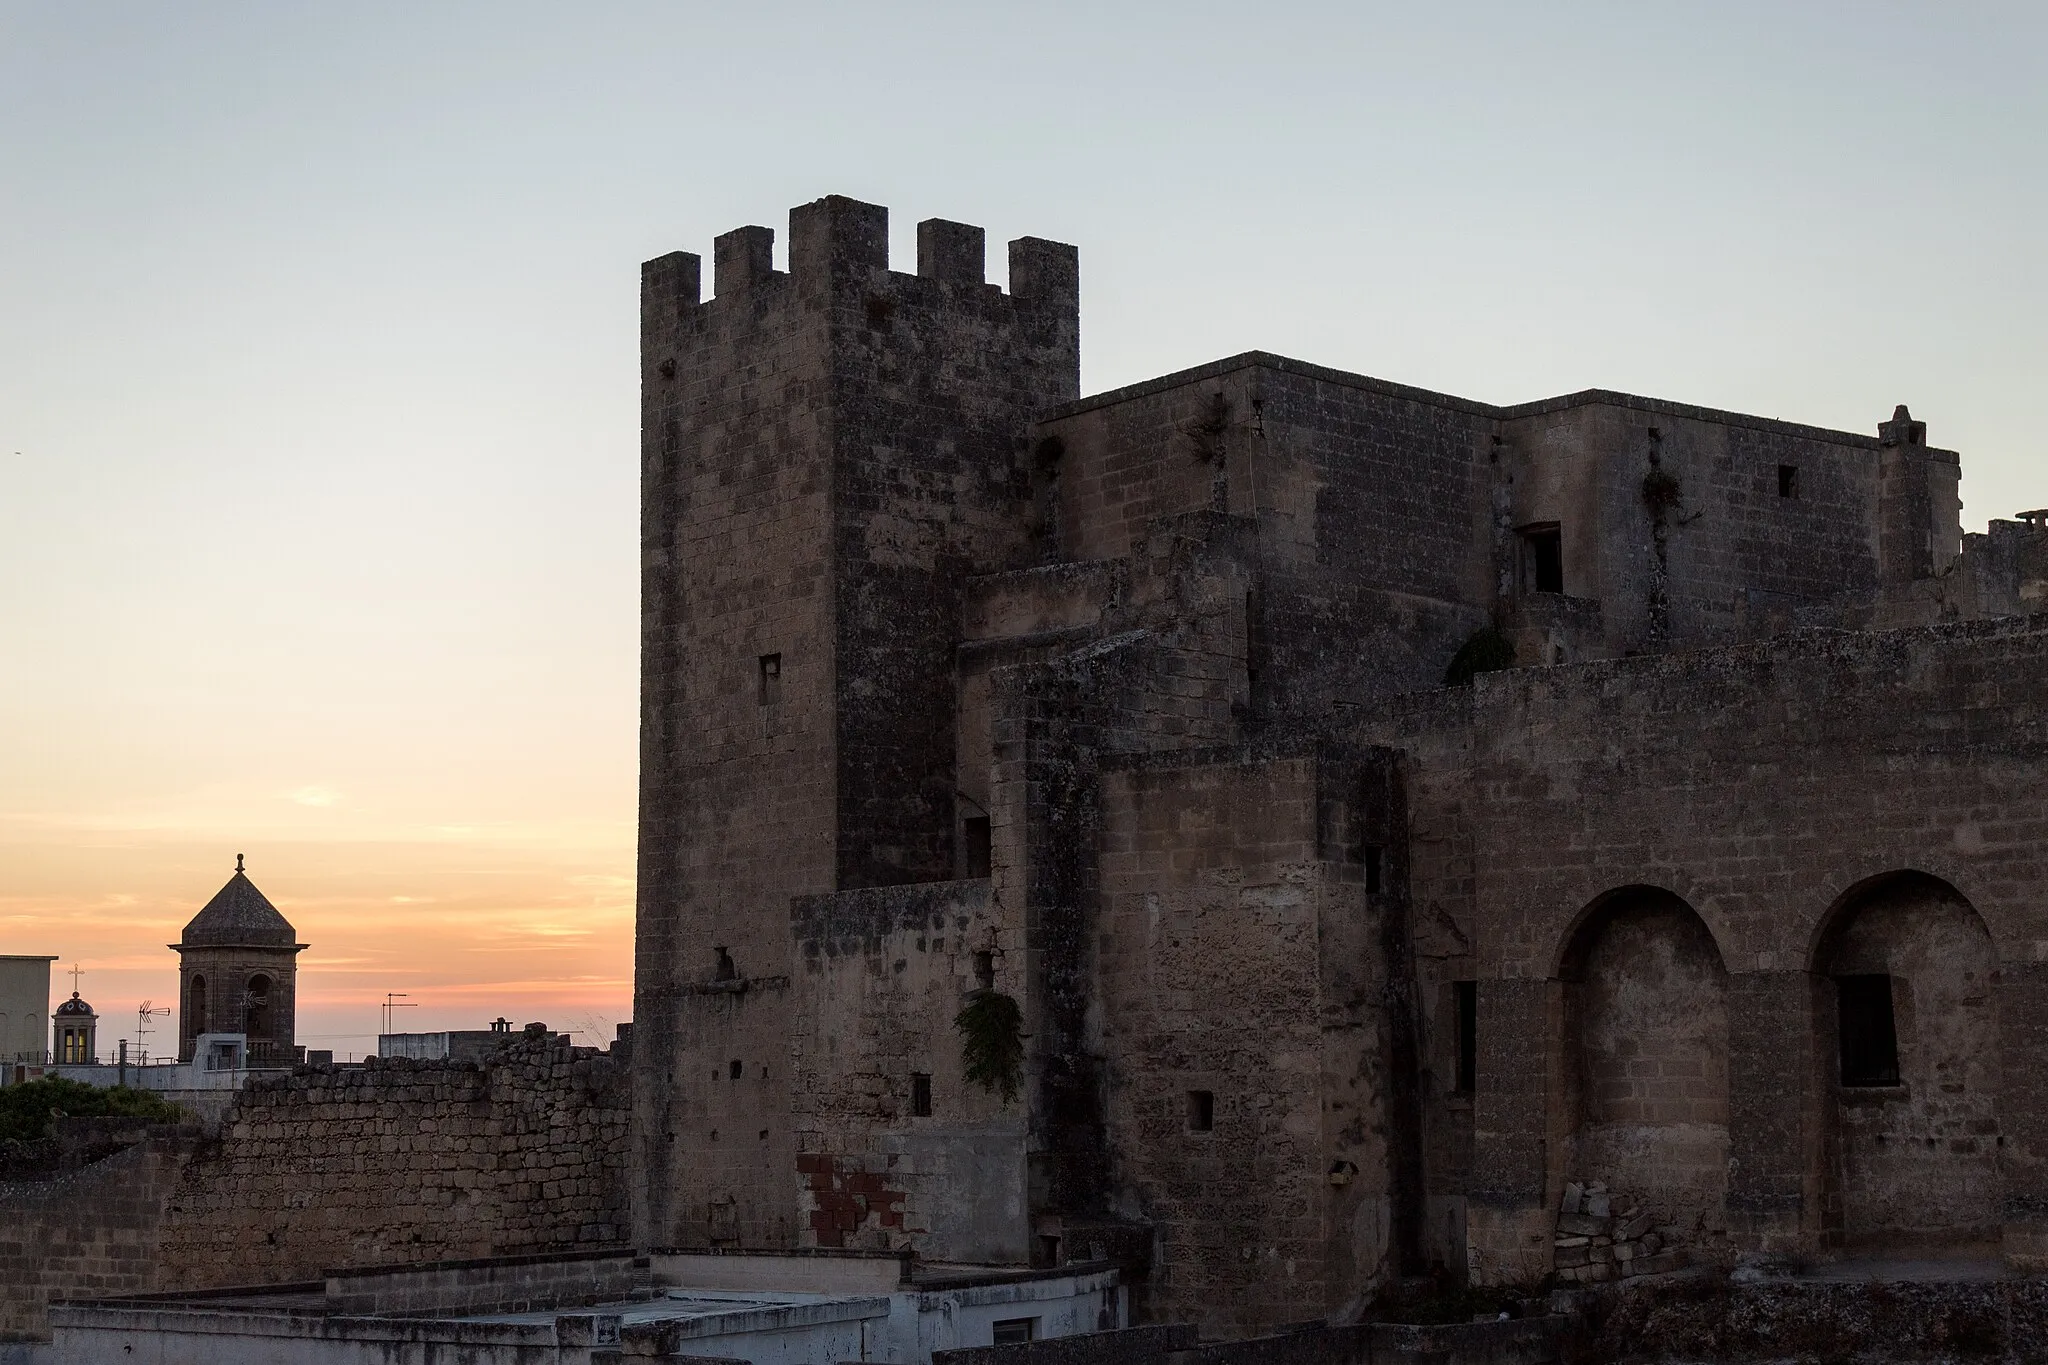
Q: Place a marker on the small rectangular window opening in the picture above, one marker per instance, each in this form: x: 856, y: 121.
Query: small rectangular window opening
x: 920, y: 1095
x: 1201, y: 1111
x: 1869, y: 1037
x: 1372, y: 869
x: 1467, y: 999
x: 771, y: 679
x: 1543, y: 559
x: 1788, y: 481
x: 1015, y: 1331
x: 737, y: 1069
x: 977, y: 849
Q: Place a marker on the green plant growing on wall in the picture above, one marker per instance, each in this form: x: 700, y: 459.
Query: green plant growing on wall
x: 1486, y: 651
x: 992, y: 1042
x: 28, y: 1111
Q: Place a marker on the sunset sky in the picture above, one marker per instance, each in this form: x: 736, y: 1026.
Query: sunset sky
x: 318, y: 388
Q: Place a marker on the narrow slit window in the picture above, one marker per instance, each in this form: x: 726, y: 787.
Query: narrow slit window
x: 1543, y: 559
x: 771, y: 679
x: 920, y: 1095
x: 976, y: 849
x: 1788, y: 481
x: 737, y: 1069
x: 1466, y: 994
x: 1372, y: 869
x: 1201, y: 1111
x: 1869, y: 1037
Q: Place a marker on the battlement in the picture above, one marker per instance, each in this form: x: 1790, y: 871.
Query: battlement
x: 838, y: 237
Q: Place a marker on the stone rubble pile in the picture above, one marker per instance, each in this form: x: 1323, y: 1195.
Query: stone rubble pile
x: 1594, y: 1244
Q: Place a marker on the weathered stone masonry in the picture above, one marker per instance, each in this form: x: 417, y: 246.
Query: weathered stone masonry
x: 1130, y: 708
x: 330, y: 1167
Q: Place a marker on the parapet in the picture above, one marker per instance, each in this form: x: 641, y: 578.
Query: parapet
x: 837, y: 236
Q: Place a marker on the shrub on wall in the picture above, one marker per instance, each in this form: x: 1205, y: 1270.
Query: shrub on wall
x: 992, y: 1042
x: 28, y: 1110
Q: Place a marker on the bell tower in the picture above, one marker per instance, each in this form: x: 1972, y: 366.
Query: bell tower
x: 238, y: 973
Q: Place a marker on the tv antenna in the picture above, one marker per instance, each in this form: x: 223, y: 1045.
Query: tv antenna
x: 393, y: 1001
x: 143, y: 1014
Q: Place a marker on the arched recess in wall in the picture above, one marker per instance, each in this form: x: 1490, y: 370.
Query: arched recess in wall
x: 1905, y: 976
x: 1646, y: 1061
x: 256, y: 1014
x: 195, y: 1007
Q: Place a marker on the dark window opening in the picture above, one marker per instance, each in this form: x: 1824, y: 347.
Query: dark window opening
x: 985, y: 970
x: 738, y: 1069
x: 1015, y: 1331
x: 977, y: 851
x: 920, y: 1095
x: 1372, y: 869
x: 771, y: 679
x: 1467, y: 996
x: 256, y: 1019
x: 1049, y: 1248
x: 195, y: 1013
x: 1788, y: 481
x: 1869, y: 1036
x: 1201, y: 1111
x: 1543, y: 559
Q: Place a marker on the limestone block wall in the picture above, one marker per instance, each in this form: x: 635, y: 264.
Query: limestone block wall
x: 886, y: 1160
x: 828, y: 453
x: 1780, y: 792
x: 87, y: 1233
x: 1244, y: 1027
x: 1364, y: 510
x: 1768, y: 515
x: 405, y: 1161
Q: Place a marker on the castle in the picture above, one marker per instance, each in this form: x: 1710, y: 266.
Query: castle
x: 1275, y: 830
x: 1712, y: 923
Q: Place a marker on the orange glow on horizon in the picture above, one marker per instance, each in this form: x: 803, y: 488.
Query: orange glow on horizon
x: 466, y: 926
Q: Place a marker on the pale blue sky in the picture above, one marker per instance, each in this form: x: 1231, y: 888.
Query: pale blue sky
x: 317, y: 322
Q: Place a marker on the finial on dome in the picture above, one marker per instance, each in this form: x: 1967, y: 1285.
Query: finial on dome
x: 238, y: 862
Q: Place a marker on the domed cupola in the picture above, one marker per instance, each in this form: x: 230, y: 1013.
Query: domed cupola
x: 74, y: 1033
x: 237, y: 973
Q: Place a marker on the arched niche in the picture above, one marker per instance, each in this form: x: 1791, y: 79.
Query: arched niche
x: 195, y: 1007
x: 1907, y: 1044
x: 1646, y: 1060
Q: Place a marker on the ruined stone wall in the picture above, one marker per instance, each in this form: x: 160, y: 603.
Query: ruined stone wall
x: 86, y: 1233
x: 405, y: 1161
x: 1763, y: 786
x: 882, y: 974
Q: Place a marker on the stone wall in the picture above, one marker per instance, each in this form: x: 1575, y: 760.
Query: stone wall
x: 828, y: 454
x: 1769, y: 789
x: 1249, y: 1041
x: 882, y: 975
x: 92, y: 1231
x: 405, y: 1161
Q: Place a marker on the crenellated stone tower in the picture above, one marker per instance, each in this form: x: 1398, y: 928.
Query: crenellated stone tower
x: 828, y: 453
